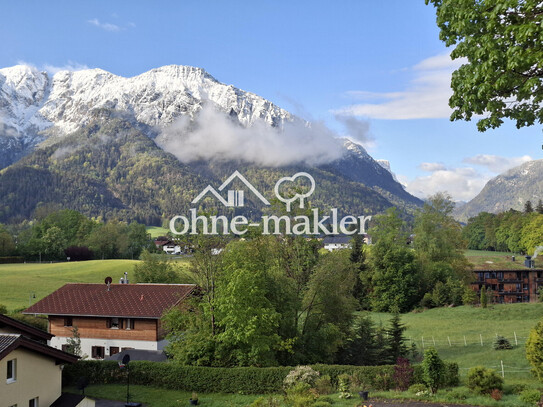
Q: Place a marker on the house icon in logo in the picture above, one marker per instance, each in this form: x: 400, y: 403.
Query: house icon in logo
x: 235, y: 198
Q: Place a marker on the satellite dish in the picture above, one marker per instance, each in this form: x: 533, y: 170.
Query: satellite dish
x: 126, y: 359
x: 108, y: 280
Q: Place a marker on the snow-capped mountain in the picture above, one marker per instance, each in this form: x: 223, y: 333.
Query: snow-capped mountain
x: 34, y: 105
x: 69, y: 112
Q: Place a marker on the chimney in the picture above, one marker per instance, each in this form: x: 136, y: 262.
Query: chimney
x: 529, y: 263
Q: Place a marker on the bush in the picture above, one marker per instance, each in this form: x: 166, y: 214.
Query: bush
x: 403, y: 374
x: 534, y: 349
x: 300, y: 395
x: 344, y: 386
x: 433, y: 369
x: 427, y: 301
x: 518, y: 388
x: 496, y: 394
x: 323, y: 385
x: 502, y: 343
x: 301, y: 374
x: 530, y: 396
x: 265, y: 402
x: 417, y: 388
x: 11, y: 259
x: 483, y: 381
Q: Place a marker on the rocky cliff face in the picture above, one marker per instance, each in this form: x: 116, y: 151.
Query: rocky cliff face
x: 508, y: 190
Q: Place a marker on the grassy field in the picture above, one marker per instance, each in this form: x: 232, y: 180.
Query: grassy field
x: 465, y: 326
x: 19, y: 282
x: 156, y: 231
x: 486, y: 260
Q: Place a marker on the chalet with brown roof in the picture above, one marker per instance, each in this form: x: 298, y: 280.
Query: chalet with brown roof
x: 110, y: 318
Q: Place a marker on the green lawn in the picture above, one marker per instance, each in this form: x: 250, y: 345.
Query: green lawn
x: 487, y: 260
x: 439, y: 325
x: 19, y: 282
x: 155, y: 397
x: 156, y: 231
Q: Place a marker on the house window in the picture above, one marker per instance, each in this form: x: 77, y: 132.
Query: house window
x: 129, y: 323
x: 97, y: 352
x: 123, y: 349
x: 500, y: 275
x: 33, y: 402
x: 12, y: 371
x: 68, y: 321
x: 114, y: 323
x: 113, y: 350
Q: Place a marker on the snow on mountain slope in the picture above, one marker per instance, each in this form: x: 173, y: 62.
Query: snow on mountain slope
x: 29, y: 98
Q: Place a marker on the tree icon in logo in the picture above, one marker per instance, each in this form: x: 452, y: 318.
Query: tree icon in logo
x: 301, y: 197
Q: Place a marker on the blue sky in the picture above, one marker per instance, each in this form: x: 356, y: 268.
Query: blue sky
x: 380, y: 61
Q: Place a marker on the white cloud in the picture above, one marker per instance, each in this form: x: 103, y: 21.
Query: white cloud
x: 496, y: 163
x: 70, y: 66
x: 425, y: 97
x: 214, y: 136
x: 461, y: 183
x: 104, y: 26
x: 431, y: 167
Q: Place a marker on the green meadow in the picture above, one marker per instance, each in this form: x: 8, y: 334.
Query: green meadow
x: 156, y: 231
x: 19, y: 283
x: 457, y: 333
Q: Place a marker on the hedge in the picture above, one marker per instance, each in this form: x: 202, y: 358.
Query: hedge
x: 244, y: 380
x: 11, y: 259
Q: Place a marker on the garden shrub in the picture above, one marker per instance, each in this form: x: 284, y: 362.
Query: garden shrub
x: 530, y: 396
x: 301, y: 374
x: 433, y: 369
x: 265, y: 402
x: 482, y: 380
x: 502, y: 343
x: 417, y: 388
x: 403, y: 374
x: 518, y: 388
x: 323, y: 385
x: 344, y: 386
x: 300, y: 395
x: 496, y: 394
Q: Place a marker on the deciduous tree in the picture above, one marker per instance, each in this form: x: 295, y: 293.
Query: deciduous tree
x: 503, y: 75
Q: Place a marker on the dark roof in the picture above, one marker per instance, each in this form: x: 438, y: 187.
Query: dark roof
x: 342, y: 239
x: 25, y: 329
x: 140, y: 354
x: 10, y: 342
x: 122, y: 300
x: 68, y: 400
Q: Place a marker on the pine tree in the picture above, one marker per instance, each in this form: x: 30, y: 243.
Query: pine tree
x: 396, y: 340
x: 539, y: 207
x: 484, y: 298
x: 528, y: 207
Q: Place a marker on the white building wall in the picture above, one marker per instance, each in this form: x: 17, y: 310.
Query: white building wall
x: 88, y: 343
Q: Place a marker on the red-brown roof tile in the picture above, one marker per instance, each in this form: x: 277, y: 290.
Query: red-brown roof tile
x: 122, y: 300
